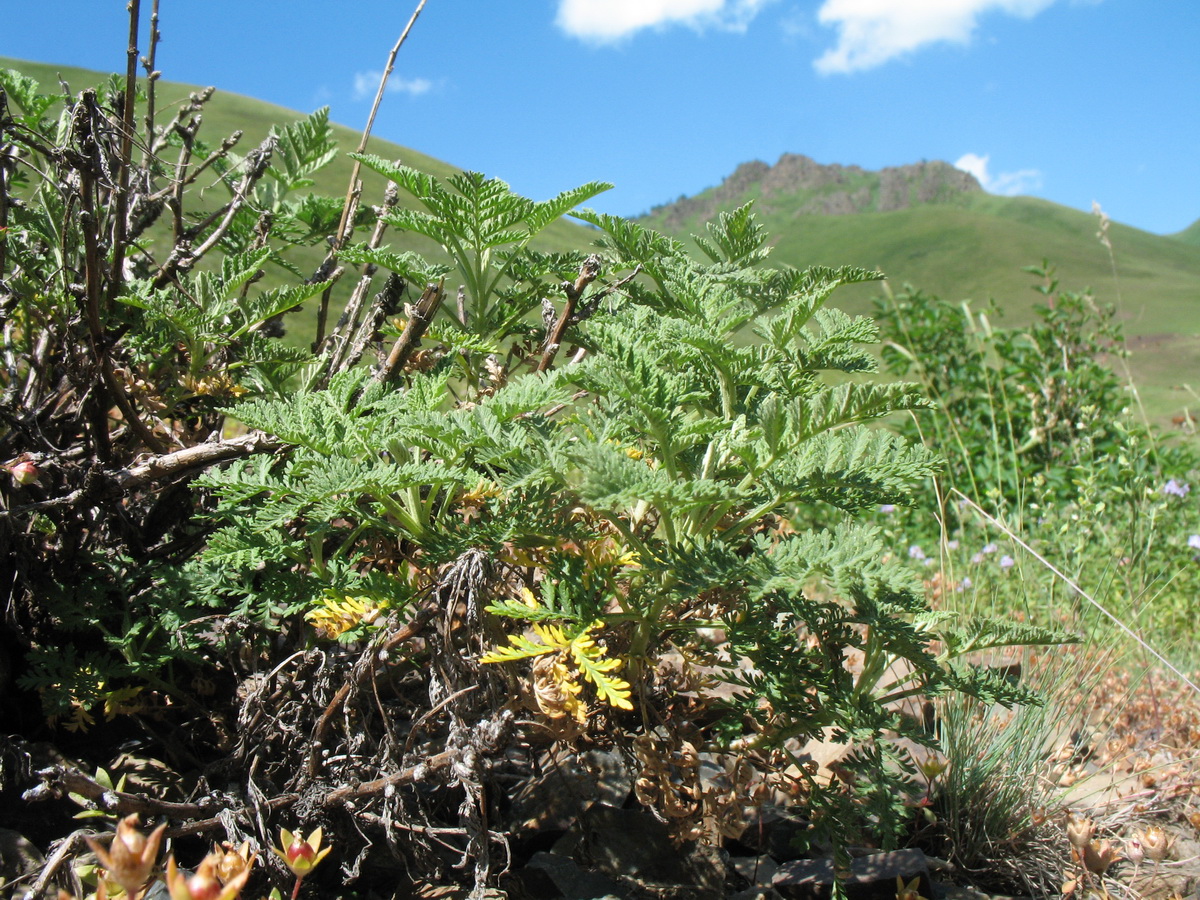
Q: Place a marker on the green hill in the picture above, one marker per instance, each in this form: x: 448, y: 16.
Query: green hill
x: 227, y: 113
x: 1189, y: 235
x: 932, y: 226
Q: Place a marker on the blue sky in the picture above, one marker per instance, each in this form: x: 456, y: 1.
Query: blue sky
x: 1071, y: 100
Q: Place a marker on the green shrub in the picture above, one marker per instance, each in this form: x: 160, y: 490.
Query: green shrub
x: 1040, y: 433
x: 612, y: 485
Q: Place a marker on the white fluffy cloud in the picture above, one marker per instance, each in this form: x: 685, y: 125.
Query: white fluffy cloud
x: 605, y: 21
x: 1008, y: 184
x: 367, y: 83
x: 871, y: 32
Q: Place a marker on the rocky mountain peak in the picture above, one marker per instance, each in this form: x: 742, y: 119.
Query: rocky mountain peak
x: 807, y: 187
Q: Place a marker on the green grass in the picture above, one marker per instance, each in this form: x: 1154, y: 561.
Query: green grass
x: 1189, y: 235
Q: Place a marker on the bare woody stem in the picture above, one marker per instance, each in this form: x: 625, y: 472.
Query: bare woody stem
x: 151, y: 80
x: 587, y: 274
x: 572, y: 312
x: 345, y: 226
x: 420, y: 316
x: 116, y: 272
x: 167, y: 467
x: 58, y: 780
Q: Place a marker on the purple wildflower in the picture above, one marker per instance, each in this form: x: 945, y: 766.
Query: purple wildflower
x: 1194, y: 541
x: 1175, y: 488
x: 1007, y: 562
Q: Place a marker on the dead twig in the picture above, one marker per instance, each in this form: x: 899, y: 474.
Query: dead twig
x: 359, y: 674
x: 587, y: 274
x: 159, y: 469
x: 58, y: 780
x: 67, y: 847
x: 346, y: 226
x: 573, y: 312
x: 420, y: 316
x: 120, y: 191
x: 380, y: 785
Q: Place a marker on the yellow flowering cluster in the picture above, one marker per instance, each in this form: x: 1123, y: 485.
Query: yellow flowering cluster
x: 338, y: 613
x: 559, y: 663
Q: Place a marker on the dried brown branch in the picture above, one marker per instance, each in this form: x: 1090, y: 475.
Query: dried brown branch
x: 587, y: 274
x: 572, y: 312
x: 359, y: 674
x: 170, y: 466
x: 346, y: 225
x: 182, y: 255
x: 190, y: 111
x: 164, y: 468
x: 60, y: 780
x: 120, y: 191
x: 172, y: 194
x: 379, y: 785
x: 65, y: 849
x: 152, y: 76
x: 420, y: 316
x: 7, y: 164
x: 204, y: 816
x: 347, y: 351
x: 382, y: 306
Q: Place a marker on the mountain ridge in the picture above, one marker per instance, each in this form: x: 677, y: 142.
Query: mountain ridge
x: 812, y: 188
x: 934, y: 227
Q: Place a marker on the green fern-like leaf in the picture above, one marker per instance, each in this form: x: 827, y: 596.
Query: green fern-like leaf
x: 23, y: 90
x: 735, y: 237
x: 302, y: 148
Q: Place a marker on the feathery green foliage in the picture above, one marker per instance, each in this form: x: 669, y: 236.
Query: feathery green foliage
x: 637, y: 488
x: 677, y: 448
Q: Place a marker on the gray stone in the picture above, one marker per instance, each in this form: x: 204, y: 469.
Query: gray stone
x: 19, y: 858
x: 758, y: 870
x: 530, y: 883
x: 779, y: 834
x: 632, y: 844
x: 573, y: 882
x: 872, y: 877
x: 567, y: 787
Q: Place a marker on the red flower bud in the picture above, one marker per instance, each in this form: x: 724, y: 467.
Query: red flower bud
x: 24, y: 472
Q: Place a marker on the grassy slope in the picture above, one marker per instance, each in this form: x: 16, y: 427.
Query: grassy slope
x: 227, y: 113
x: 975, y: 249
x: 1189, y: 235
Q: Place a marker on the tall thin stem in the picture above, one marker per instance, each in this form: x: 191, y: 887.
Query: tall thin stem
x: 151, y: 77
x: 116, y: 271
x: 345, y: 225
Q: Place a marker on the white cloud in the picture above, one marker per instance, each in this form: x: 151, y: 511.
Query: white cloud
x: 606, y: 21
x: 871, y: 32
x: 1008, y: 184
x: 367, y: 83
